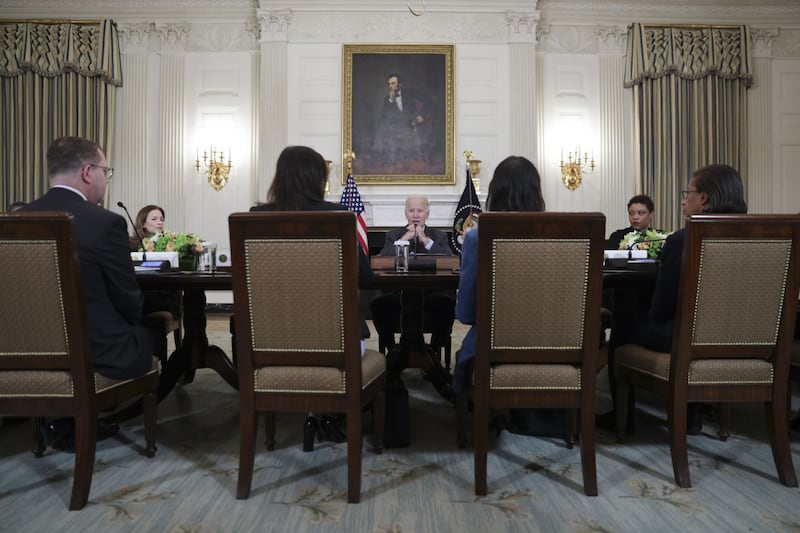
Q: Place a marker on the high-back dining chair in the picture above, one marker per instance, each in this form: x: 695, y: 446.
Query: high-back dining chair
x: 734, y: 322
x: 295, y: 288
x: 539, y: 289
x: 45, y: 358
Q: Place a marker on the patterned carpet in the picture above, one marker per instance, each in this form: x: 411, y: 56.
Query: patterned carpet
x: 535, y: 483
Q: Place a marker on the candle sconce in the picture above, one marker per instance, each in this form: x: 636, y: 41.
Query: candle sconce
x: 474, y: 168
x: 575, y: 167
x: 215, y: 168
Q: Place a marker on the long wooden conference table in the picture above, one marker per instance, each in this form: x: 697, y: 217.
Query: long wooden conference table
x: 196, y: 351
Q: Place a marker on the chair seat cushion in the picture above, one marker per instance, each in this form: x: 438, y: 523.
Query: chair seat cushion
x: 316, y: 379
x: 52, y: 383
x: 701, y: 371
x: 535, y: 377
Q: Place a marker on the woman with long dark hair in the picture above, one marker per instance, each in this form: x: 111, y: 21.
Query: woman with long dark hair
x: 515, y: 186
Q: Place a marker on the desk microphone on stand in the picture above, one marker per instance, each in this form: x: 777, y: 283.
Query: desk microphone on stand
x: 636, y: 245
x: 135, y: 231
x: 416, y: 239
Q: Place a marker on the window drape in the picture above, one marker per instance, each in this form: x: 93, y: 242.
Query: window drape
x: 690, y: 106
x: 56, y: 78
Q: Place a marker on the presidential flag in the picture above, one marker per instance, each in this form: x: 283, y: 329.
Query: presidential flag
x: 352, y: 200
x: 466, y: 217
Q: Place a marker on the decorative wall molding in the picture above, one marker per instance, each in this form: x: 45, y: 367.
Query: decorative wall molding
x: 173, y: 35
x: 231, y: 37
x: 522, y: 26
x: 611, y: 40
x: 383, y: 27
x: 560, y: 39
x: 135, y: 36
x: 787, y: 44
x: 762, y: 41
x: 274, y: 24
x: 725, y: 12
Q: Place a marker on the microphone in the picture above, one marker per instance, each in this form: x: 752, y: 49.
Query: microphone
x: 416, y: 239
x: 135, y: 231
x: 636, y: 245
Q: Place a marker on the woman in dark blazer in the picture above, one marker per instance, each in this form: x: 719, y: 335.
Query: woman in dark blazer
x: 299, y: 185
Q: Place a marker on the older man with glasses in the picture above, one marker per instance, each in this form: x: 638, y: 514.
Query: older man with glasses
x: 122, y: 347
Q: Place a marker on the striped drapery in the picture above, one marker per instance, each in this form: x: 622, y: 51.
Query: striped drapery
x: 690, y: 106
x: 56, y: 78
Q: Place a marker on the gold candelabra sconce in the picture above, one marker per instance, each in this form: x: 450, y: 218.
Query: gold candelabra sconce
x: 328, y: 163
x: 575, y: 167
x: 474, y: 168
x: 347, y: 159
x: 215, y: 167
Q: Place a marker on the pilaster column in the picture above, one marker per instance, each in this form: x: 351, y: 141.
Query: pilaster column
x: 172, y: 91
x: 131, y: 152
x: 273, y: 127
x: 522, y: 98
x: 760, y: 177
x: 616, y: 184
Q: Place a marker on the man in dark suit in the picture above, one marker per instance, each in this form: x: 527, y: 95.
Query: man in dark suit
x: 78, y: 172
x: 122, y: 347
x: 439, y: 310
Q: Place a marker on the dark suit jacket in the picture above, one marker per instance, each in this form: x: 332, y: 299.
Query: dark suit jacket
x: 615, y: 238
x: 658, y: 332
x: 440, y: 243
x: 121, y: 347
x: 365, y: 273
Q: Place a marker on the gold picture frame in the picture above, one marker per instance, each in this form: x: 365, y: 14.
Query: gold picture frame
x: 405, y: 138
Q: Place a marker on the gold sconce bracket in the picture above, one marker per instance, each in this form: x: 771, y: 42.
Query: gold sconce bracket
x: 474, y: 168
x: 215, y: 167
x: 575, y: 167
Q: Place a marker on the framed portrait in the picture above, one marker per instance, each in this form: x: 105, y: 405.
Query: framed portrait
x: 397, y: 113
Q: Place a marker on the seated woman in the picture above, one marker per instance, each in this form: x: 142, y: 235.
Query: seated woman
x: 625, y: 301
x: 640, y: 215
x: 299, y: 185
x: 515, y: 186
x: 711, y: 189
x: 150, y: 221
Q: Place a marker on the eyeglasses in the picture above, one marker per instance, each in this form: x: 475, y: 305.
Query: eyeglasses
x: 685, y: 193
x: 108, y: 171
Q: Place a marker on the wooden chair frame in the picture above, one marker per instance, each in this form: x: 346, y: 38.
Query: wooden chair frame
x: 701, y: 232
x: 558, y: 233
x: 72, y: 360
x: 246, y: 229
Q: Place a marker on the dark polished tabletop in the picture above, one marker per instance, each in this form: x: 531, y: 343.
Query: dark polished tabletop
x: 196, y: 352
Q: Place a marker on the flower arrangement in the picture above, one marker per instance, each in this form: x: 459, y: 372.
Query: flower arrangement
x: 188, y: 245
x: 651, y: 240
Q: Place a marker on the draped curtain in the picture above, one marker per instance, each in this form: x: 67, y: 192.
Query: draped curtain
x: 690, y: 107
x: 56, y: 79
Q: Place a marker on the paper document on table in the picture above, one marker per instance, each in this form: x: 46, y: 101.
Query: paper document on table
x: 172, y: 257
x: 625, y: 254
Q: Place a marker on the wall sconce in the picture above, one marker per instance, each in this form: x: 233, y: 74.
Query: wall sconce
x: 215, y: 167
x: 474, y: 169
x: 328, y: 163
x: 573, y: 170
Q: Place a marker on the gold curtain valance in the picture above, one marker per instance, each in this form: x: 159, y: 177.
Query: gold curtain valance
x: 690, y: 52
x: 51, y: 49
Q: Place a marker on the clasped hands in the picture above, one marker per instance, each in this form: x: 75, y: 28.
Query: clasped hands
x: 415, y: 232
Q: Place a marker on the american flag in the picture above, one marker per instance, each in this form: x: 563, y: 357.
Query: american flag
x: 352, y: 200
